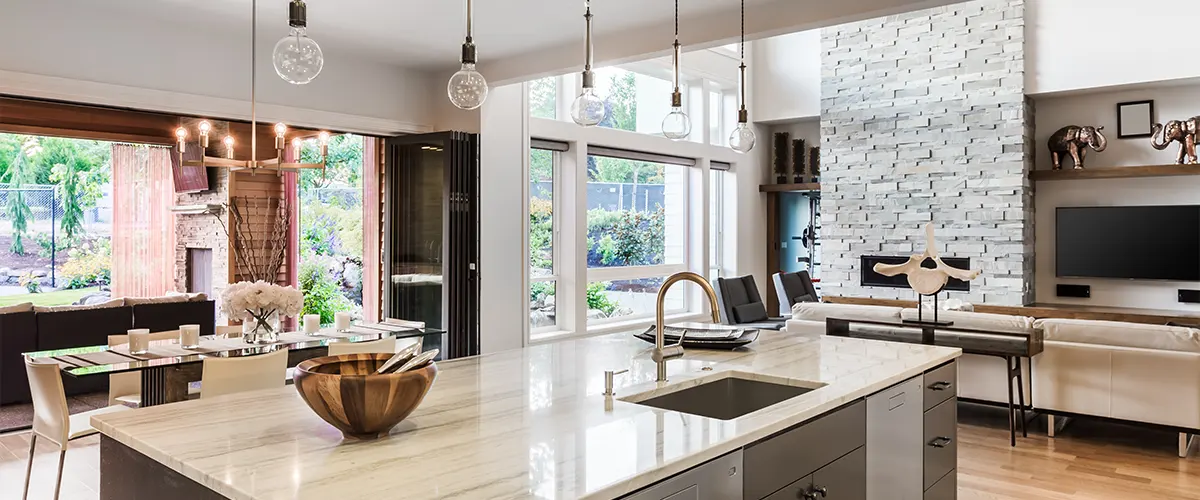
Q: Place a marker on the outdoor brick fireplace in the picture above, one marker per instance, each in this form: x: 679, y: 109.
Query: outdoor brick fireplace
x: 203, y: 231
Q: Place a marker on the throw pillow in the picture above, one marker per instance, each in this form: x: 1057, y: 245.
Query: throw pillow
x: 102, y: 305
x: 749, y: 313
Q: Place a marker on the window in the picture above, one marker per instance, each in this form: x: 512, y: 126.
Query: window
x: 331, y: 228
x: 636, y: 102
x: 714, y: 118
x: 543, y: 276
x: 716, y: 224
x: 637, y: 216
x: 543, y: 97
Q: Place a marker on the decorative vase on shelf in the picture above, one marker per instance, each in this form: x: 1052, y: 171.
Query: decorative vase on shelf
x: 261, y: 327
x: 798, y: 157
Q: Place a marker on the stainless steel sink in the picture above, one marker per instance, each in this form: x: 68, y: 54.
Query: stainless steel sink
x: 728, y: 396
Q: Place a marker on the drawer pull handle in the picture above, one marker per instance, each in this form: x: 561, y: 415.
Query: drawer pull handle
x: 940, y: 442
x: 940, y: 386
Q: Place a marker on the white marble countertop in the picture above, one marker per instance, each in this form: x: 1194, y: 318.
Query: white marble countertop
x: 526, y: 423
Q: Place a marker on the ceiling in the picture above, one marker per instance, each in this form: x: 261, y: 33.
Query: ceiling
x: 426, y: 34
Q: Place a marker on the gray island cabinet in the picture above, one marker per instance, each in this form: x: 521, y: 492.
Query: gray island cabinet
x: 897, y: 444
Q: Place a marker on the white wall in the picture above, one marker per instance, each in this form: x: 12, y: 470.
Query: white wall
x: 1073, y: 44
x: 1100, y: 109
x: 503, y: 261
x: 786, y: 79
x: 87, y: 53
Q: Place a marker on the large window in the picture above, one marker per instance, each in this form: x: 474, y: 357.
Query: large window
x: 543, y: 277
x: 331, y: 229
x: 637, y: 216
x: 716, y: 223
x: 543, y: 97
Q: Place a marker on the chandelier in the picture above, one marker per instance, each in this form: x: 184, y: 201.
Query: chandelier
x: 227, y: 161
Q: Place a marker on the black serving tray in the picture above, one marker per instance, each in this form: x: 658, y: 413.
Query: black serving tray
x: 742, y: 338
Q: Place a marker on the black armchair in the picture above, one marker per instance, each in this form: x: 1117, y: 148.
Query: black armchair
x: 742, y: 305
x: 793, y: 288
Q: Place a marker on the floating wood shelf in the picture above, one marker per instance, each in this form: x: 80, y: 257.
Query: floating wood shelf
x: 1067, y: 174
x: 784, y: 188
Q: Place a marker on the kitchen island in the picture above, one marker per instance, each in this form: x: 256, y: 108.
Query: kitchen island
x: 526, y: 423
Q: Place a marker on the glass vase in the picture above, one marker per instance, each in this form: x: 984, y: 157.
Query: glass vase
x: 261, y: 328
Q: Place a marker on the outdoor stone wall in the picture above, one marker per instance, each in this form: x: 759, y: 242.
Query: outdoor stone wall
x: 924, y: 118
x: 203, y: 231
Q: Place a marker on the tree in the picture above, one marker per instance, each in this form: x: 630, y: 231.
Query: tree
x: 19, y: 172
x: 621, y: 103
x: 343, y: 164
x: 543, y: 98
x: 68, y: 180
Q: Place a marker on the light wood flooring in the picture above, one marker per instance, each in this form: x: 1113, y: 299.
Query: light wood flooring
x: 1089, y: 460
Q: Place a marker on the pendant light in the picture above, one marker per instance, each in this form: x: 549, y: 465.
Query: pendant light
x: 467, y: 88
x: 677, y: 125
x: 742, y: 139
x: 298, y: 59
x: 588, y: 109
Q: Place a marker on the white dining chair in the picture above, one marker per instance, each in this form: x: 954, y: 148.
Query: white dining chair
x: 126, y: 388
x: 384, y: 345
x: 51, y: 418
x: 250, y: 373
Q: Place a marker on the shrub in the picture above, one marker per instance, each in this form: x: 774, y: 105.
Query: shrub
x: 626, y: 237
x: 329, y: 229
x: 62, y: 244
x: 89, y: 264
x: 541, y: 233
x: 540, y: 290
x: 597, y: 298
x: 322, y: 295
x: 30, y: 282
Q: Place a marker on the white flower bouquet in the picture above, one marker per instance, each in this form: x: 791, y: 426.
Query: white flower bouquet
x: 260, y: 304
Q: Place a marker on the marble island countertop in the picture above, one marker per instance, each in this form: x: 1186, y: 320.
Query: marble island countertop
x: 526, y: 423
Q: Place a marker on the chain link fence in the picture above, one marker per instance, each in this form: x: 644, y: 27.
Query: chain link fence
x: 40, y: 208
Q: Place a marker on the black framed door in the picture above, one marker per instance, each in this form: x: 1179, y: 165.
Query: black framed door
x: 431, y: 243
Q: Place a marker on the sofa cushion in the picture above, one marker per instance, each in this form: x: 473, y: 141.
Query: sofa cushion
x: 167, y: 299
x: 163, y: 317
x: 803, y: 298
x: 818, y: 311
x: 977, y: 321
x: 749, y: 313
x: 18, y: 335
x: 71, y: 307
x: 1115, y: 333
x: 17, y: 308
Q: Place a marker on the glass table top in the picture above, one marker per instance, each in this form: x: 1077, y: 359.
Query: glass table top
x: 103, y: 359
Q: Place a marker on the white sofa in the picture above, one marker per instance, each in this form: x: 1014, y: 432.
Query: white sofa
x: 1128, y: 371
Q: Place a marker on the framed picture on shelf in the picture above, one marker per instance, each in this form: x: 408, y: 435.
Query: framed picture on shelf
x: 1134, y: 119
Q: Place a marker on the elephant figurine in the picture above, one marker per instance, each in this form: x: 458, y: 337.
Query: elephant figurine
x: 1074, y: 140
x: 1183, y: 132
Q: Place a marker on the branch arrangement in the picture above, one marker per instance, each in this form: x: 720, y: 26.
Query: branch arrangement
x: 259, y: 253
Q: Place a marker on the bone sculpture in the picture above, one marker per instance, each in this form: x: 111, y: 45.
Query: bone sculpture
x: 923, y: 280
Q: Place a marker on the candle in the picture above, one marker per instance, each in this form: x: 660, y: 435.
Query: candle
x: 341, y: 321
x: 139, y: 341
x: 312, y: 323
x: 189, y: 336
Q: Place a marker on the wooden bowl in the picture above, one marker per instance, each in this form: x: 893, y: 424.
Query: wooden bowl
x: 345, y: 391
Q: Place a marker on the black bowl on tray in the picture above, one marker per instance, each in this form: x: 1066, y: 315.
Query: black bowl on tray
x: 703, y: 335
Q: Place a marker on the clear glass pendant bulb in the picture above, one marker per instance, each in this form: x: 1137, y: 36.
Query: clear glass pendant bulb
x: 742, y: 139
x: 588, y: 109
x: 298, y: 59
x: 467, y: 88
x: 677, y: 125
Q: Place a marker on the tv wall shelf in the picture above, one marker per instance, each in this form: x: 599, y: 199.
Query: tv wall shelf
x: 784, y: 188
x: 1114, y: 172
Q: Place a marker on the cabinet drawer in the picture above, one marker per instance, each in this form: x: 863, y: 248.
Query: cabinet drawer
x: 945, y: 489
x: 941, y: 441
x: 940, y: 384
x: 784, y: 458
x: 717, y: 479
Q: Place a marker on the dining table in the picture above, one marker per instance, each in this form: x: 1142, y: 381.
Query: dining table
x: 167, y: 367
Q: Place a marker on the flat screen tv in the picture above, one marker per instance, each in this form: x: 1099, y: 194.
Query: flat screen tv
x: 1151, y: 242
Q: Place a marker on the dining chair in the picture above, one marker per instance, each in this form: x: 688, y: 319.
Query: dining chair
x: 51, y: 418
x: 386, y: 344
x: 126, y: 388
x: 221, y: 376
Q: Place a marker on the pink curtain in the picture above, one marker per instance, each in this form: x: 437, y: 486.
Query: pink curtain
x: 143, y: 246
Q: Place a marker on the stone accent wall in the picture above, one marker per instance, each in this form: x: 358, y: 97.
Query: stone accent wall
x: 924, y: 118
x: 203, y: 231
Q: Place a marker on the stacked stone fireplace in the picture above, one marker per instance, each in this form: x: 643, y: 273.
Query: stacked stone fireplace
x: 924, y: 119
x: 203, y: 232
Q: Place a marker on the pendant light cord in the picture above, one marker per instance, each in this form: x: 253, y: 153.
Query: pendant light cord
x: 470, y: 20
x: 587, y: 16
x: 253, y: 81
x: 742, y: 57
x: 675, y: 50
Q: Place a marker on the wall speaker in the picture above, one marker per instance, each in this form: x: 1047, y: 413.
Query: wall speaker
x: 1078, y: 291
x: 1189, y: 296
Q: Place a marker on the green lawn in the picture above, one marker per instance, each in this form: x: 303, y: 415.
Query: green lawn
x: 56, y: 298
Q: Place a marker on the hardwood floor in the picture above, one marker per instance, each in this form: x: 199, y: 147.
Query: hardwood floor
x: 1089, y: 460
